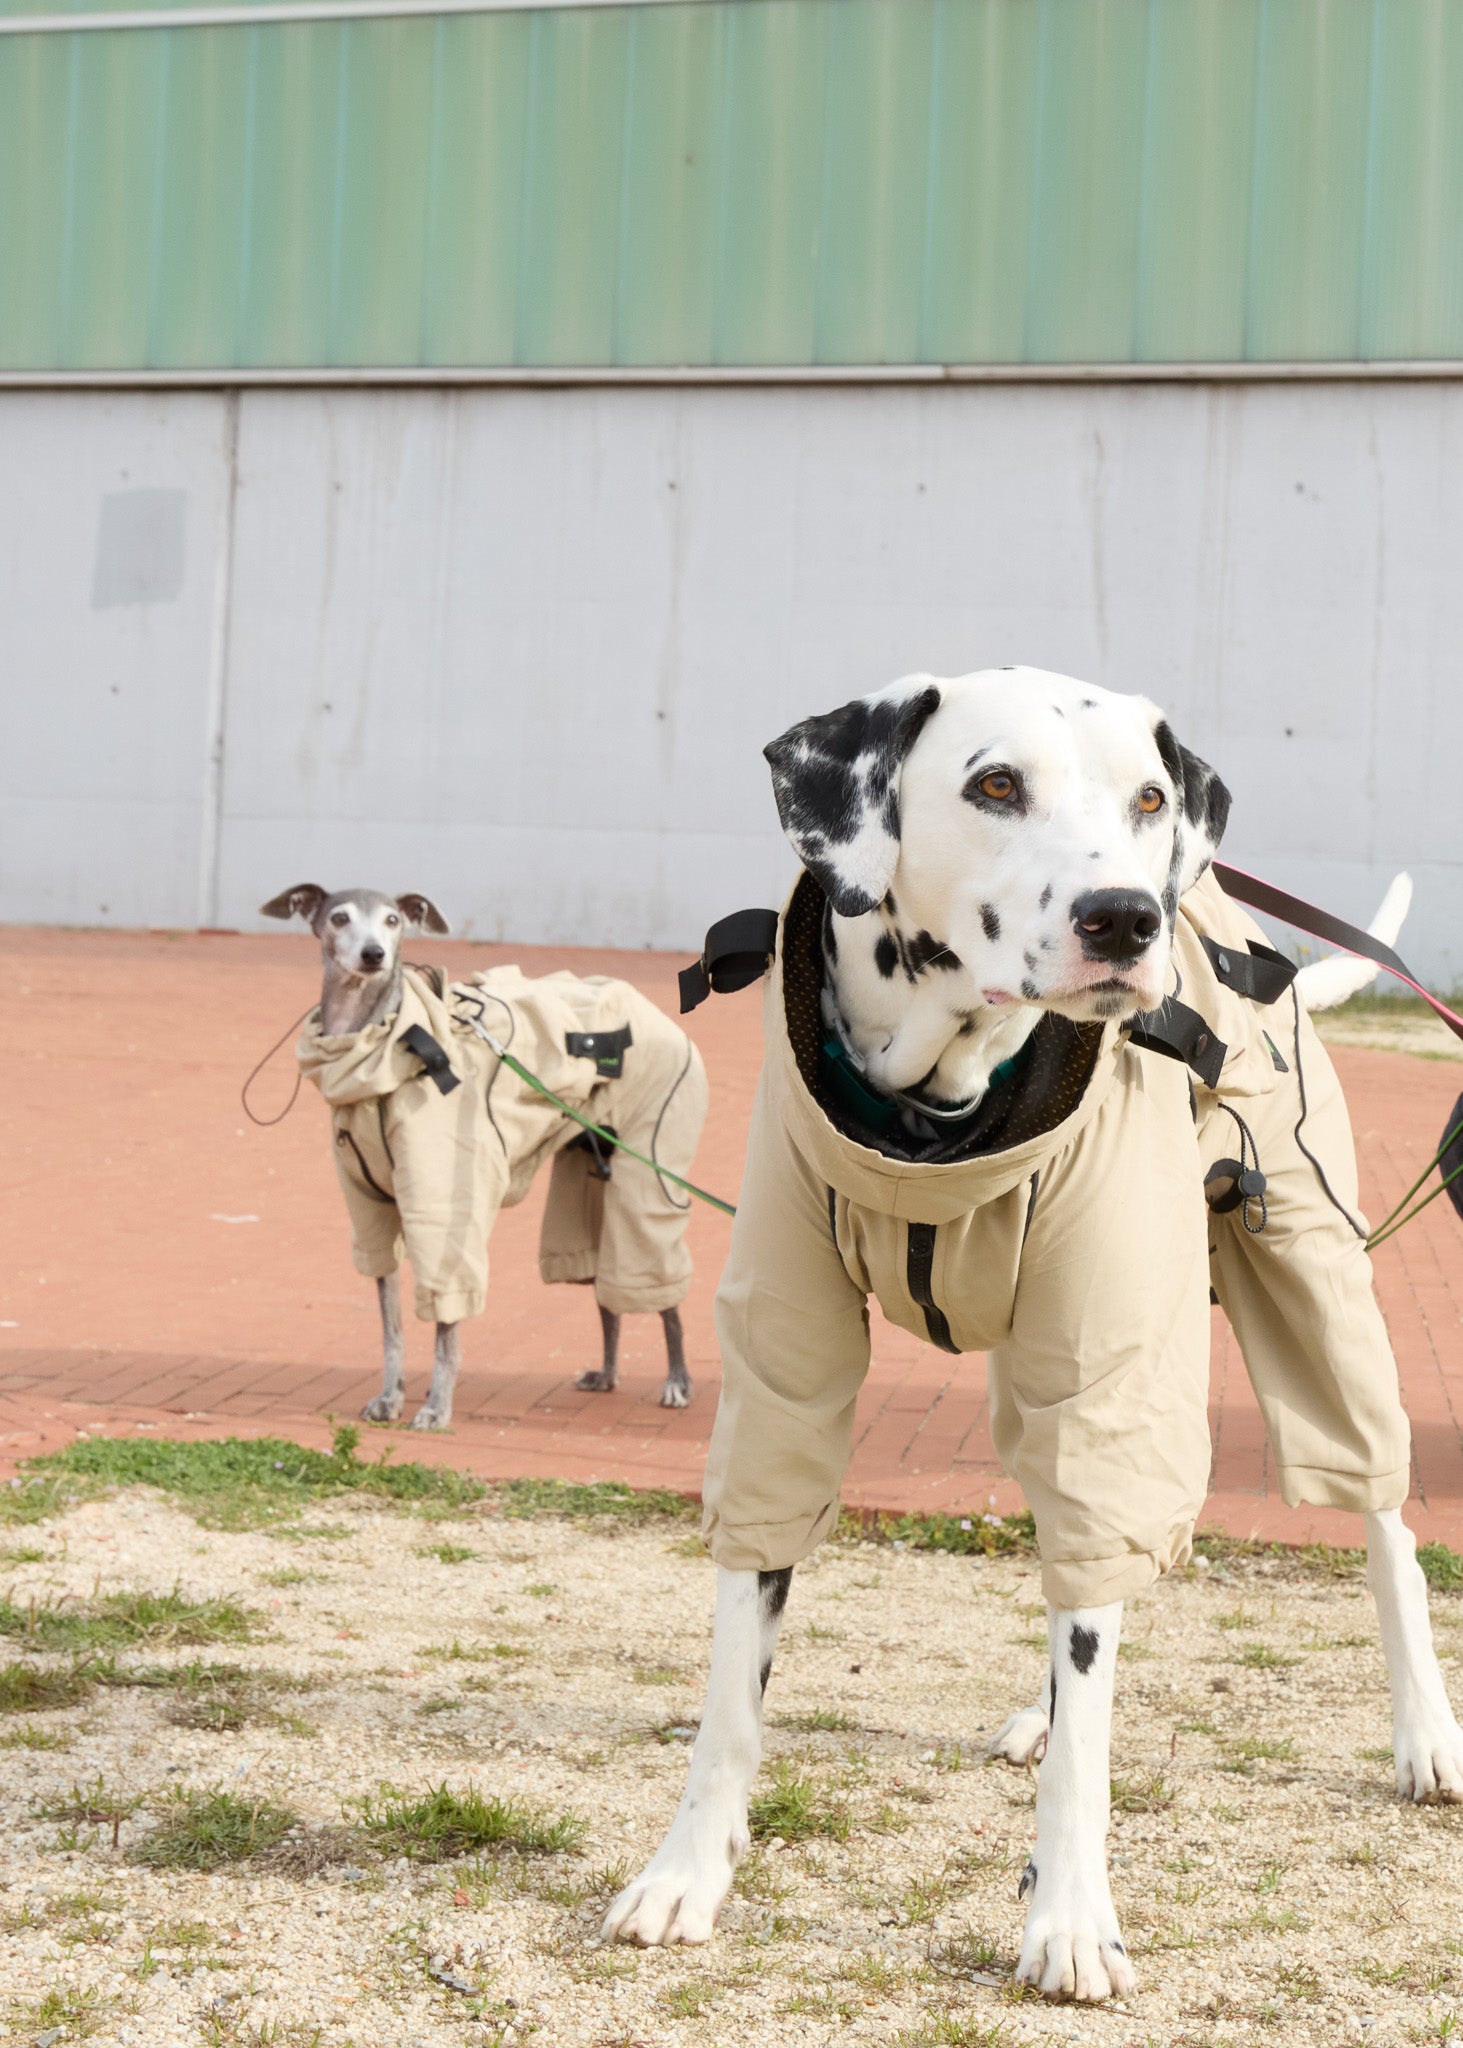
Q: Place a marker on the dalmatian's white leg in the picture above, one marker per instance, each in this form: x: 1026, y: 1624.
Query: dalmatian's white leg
x: 436, y: 1411
x: 387, y: 1405
x: 1021, y: 1738
x: 681, y: 1891
x: 1427, y: 1743
x: 1071, y: 1947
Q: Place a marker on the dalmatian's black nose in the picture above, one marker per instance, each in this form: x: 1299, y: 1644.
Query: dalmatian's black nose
x: 1116, y: 924
x: 372, y: 956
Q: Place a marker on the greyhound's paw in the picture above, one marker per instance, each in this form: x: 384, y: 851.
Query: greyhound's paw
x: 428, y: 1417
x: 1428, y: 1751
x: 679, y: 1894
x: 676, y: 1394
x: 381, y: 1410
x: 1021, y: 1738
x: 1071, y: 1947
x: 596, y: 1382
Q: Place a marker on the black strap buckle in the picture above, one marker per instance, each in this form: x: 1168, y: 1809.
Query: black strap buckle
x: 738, y: 951
x: 601, y: 1155
x: 1180, y: 1033
x: 606, y: 1048
x: 1262, y: 974
x: 434, y: 1061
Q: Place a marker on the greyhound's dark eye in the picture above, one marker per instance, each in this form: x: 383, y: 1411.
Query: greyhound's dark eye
x: 1151, y: 799
x: 998, y: 786
x: 340, y: 917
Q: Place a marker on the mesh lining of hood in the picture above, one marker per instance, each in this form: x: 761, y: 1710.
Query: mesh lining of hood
x: 1044, y: 1091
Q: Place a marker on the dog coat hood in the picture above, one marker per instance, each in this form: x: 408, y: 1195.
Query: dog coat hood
x: 433, y: 1135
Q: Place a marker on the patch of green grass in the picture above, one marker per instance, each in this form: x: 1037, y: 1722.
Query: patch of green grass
x: 1134, y: 1653
x: 235, y: 1483
x: 1441, y: 1567
x: 822, y: 1721
x: 1141, y: 1792
x: 1260, y: 1657
x: 200, y: 1830
x: 122, y: 1620
x: 219, y: 1698
x: 688, y: 2001
x: 657, y: 1674
x: 795, y: 1807
x: 1239, y: 1617
x: 73, y: 2015
x: 449, y: 1553
x: 24, y: 1553
x: 542, y: 1591
x: 609, y: 1499
x: 442, y: 1703
x: 289, y: 1575
x: 957, y: 2030
x: 35, y: 1738
x: 962, y: 1535
x: 1376, y: 1756
x: 1245, y: 1750
x: 435, y: 1825
x: 27, y: 1688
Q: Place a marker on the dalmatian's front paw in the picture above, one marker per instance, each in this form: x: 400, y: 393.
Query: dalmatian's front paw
x: 1071, y: 1947
x: 1021, y: 1738
x: 385, y: 1408
x: 1427, y: 1747
x: 676, y: 1394
x: 679, y: 1894
x: 428, y: 1417
x: 596, y: 1382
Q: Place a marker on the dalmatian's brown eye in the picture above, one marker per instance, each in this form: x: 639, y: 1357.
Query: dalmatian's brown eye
x: 998, y: 786
x: 1150, y: 799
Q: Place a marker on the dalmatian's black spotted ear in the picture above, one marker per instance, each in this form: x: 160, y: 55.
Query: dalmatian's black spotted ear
x: 1203, y: 810
x: 836, y: 781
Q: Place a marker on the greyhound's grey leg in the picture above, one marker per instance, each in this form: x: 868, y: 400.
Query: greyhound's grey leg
x: 603, y: 1381
x: 1071, y: 1947
x: 387, y: 1404
x: 681, y: 1891
x: 1427, y: 1743
x: 436, y: 1411
x: 676, y: 1393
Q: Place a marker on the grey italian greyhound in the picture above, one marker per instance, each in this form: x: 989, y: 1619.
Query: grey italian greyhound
x: 360, y: 933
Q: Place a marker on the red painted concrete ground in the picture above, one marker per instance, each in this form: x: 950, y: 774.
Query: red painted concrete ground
x: 168, y: 1265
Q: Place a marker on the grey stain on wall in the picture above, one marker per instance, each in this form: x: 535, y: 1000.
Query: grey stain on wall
x: 140, y: 548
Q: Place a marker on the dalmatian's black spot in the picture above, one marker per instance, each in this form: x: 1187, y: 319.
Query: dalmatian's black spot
x: 1083, y: 1647
x: 990, y: 922
x: 1046, y: 945
x: 1118, y: 1946
x: 1029, y: 990
x: 1029, y: 958
x: 766, y: 1672
x: 923, y: 951
x: 1089, y: 703
x: 1051, y: 1717
x: 773, y: 1588
x: 1028, y: 1881
x: 967, y: 1026
x: 890, y: 905
x: 1045, y: 897
x: 1094, y: 856
x: 830, y: 939
x: 886, y: 955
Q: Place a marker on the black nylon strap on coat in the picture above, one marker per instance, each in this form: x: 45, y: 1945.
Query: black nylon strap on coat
x: 1181, y: 1034
x: 605, y: 1048
x: 434, y: 1060
x: 1261, y: 973
x: 1322, y: 925
x: 737, y: 952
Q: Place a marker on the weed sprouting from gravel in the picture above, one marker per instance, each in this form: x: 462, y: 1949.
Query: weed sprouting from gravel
x: 795, y: 1807
x: 822, y: 1721
x: 1141, y: 1792
x: 119, y: 1620
x: 1245, y: 1750
x: 956, y: 2030
x: 27, y: 1688
x: 1260, y: 1657
x: 1441, y: 1567
x: 433, y: 1826
x: 202, y: 1830
x: 962, y: 1953
x: 448, y: 1553
x: 63, y: 2014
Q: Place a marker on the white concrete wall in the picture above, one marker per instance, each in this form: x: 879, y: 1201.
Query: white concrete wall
x: 522, y: 648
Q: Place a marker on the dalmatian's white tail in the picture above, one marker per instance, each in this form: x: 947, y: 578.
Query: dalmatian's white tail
x: 1332, y: 980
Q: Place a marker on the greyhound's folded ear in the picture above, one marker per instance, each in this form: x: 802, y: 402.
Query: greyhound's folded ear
x: 836, y: 781
x: 301, y: 901
x: 422, y: 912
x: 1203, y: 809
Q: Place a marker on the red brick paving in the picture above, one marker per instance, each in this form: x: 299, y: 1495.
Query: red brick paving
x: 129, y: 1299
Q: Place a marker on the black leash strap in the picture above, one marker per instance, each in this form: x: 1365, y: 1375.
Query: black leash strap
x: 1321, y: 924
x: 435, y: 1062
x: 1181, y: 1034
x: 737, y: 952
x: 1260, y: 973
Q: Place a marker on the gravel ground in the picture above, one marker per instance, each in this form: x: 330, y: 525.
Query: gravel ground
x: 1271, y: 1886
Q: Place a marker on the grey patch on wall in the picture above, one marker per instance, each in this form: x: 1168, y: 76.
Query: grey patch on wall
x: 140, y: 548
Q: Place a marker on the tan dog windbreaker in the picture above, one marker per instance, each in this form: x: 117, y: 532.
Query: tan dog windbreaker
x: 425, y: 1171
x: 1075, y: 1253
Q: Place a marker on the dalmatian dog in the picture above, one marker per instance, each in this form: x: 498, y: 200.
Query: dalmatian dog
x: 993, y: 848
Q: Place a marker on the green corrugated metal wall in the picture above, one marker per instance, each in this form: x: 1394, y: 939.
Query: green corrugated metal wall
x: 741, y: 182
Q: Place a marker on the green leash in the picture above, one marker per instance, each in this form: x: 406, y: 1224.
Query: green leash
x: 598, y: 1130
x: 1390, y: 1225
